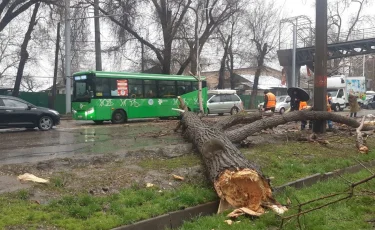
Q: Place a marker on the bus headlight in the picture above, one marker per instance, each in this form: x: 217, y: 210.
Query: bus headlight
x: 90, y: 111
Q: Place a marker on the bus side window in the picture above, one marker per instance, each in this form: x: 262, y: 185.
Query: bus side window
x: 183, y: 87
x: 135, y: 88
x: 114, y: 92
x: 150, y: 88
x: 102, y: 87
x: 167, y: 89
x: 194, y: 85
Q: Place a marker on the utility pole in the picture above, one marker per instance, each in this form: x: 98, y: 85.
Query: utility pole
x: 98, y: 51
x: 56, y: 66
x: 294, y: 53
x: 68, y: 96
x: 320, y: 78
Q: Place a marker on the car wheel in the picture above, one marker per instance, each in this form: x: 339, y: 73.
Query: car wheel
x: 336, y: 108
x: 221, y: 114
x: 369, y: 106
x: 45, y: 123
x: 234, y: 110
x: 98, y: 122
x: 282, y: 110
x: 118, y: 117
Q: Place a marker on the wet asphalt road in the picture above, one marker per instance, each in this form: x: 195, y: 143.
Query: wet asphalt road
x: 76, y: 138
x: 71, y: 138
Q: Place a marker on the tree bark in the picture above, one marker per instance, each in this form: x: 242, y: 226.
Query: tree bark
x: 222, y: 65
x: 260, y: 60
x: 237, y: 180
x: 360, y: 142
x: 239, y: 118
x: 24, y: 54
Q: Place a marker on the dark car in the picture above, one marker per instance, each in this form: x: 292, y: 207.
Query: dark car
x: 371, y: 103
x: 17, y: 113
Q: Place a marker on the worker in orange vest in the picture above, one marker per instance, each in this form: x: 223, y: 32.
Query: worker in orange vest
x: 302, y: 106
x: 329, y: 109
x: 269, y: 101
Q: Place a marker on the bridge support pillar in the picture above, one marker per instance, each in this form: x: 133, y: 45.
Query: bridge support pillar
x: 289, y: 76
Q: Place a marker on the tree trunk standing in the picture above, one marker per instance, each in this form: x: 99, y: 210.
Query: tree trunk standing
x: 237, y: 180
x: 24, y: 54
x: 167, y: 31
x: 230, y: 66
x: 222, y: 65
x: 262, y: 51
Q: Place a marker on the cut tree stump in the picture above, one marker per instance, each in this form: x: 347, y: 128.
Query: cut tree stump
x: 237, y: 180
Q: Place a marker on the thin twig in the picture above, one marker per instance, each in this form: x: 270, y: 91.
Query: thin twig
x: 349, y: 193
x: 347, y: 181
x: 363, y: 166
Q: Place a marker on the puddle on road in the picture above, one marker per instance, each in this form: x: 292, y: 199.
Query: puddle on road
x: 34, y: 146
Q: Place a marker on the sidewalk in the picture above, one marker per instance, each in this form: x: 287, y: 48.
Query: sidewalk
x: 66, y: 117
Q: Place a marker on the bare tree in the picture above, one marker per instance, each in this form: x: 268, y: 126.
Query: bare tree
x: 337, y: 21
x: 10, y: 9
x: 8, y: 58
x: 30, y: 83
x: 23, y: 53
x: 168, y: 16
x: 262, y: 22
x: 204, y: 21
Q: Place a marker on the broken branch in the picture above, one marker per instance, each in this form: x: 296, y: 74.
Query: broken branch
x: 240, y: 134
x: 360, y: 142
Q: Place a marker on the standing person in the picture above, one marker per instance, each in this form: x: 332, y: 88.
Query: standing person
x: 329, y: 109
x: 269, y: 101
x: 354, y: 107
x: 294, y: 102
x: 303, y: 106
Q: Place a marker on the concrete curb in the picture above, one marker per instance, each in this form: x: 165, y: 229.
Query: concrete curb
x: 175, y: 219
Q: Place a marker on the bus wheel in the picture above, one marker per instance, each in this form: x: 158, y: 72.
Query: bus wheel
x: 118, y: 117
x: 98, y: 122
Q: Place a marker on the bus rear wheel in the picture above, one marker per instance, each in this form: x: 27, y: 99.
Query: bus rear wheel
x: 118, y: 117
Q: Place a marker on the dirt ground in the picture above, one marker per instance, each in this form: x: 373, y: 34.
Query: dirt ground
x: 146, y: 153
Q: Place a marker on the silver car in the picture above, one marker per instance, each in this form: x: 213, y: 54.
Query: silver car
x: 282, y: 104
x: 224, y: 103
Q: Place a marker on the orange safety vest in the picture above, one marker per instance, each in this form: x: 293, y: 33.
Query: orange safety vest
x: 302, y: 105
x: 271, y: 103
x: 328, y: 105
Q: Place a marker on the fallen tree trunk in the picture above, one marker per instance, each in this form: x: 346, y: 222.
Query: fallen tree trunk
x: 360, y: 142
x: 242, y: 133
x: 237, y: 180
x: 239, y: 118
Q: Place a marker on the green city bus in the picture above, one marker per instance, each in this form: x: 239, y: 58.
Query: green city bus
x: 117, y: 96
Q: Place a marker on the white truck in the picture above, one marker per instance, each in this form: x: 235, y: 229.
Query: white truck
x: 339, y: 86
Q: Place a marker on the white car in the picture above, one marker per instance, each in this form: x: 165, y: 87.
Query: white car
x: 282, y: 104
x: 223, y: 101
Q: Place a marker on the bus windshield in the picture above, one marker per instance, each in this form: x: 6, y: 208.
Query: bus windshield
x: 83, y: 88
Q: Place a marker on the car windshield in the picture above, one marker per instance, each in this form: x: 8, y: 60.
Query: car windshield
x: 333, y: 92
x: 280, y: 99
